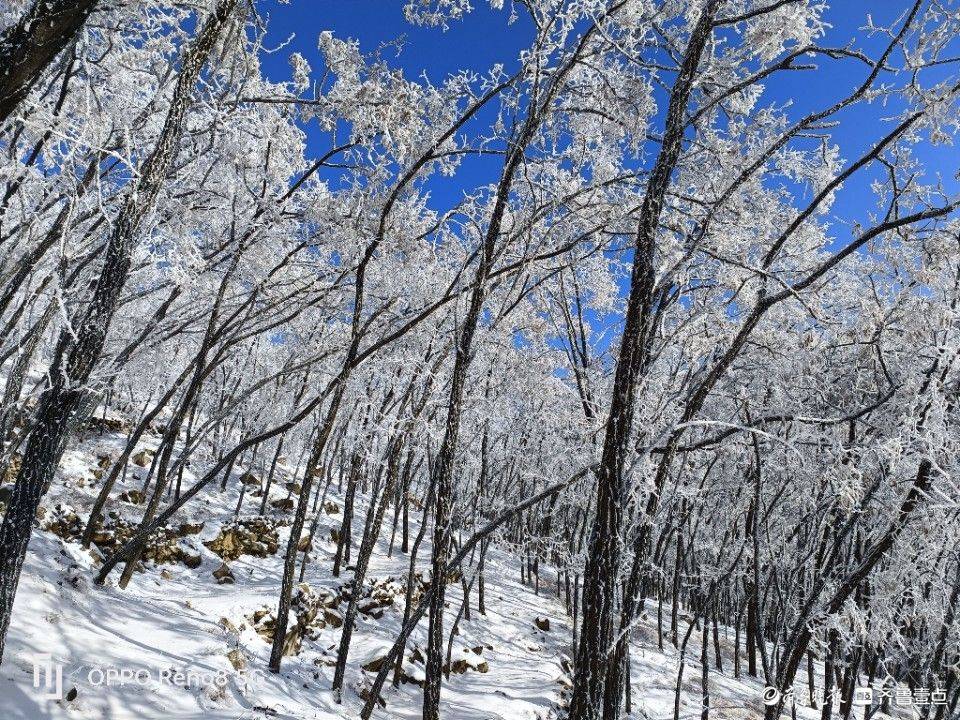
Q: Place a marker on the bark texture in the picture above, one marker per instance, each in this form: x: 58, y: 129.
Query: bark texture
x: 77, y: 356
x: 28, y: 48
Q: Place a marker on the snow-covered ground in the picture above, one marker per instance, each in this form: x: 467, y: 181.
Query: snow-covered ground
x: 176, y: 644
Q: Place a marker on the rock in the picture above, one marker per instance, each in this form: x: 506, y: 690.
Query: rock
x: 305, y: 608
x: 375, y: 665
x: 237, y: 659
x: 224, y: 575
x: 332, y: 617
x: 304, y: 545
x: 283, y: 504
x: 161, y: 550
x: 406, y: 677
x: 264, y: 623
x: 257, y: 537
x: 459, y: 667
x: 103, y: 537
x: 331, y: 508
x: 482, y: 667
x: 190, y: 528
x: 64, y: 523
x: 371, y: 609
x: 106, y: 424
x: 294, y: 488
x: 292, y: 642
x: 104, y: 461
x: 166, y: 574
x: 329, y: 599
x: 542, y: 624
x: 109, y: 535
x: 142, y: 458
x: 13, y: 467
x: 248, y: 478
x: 162, y: 546
x: 135, y: 497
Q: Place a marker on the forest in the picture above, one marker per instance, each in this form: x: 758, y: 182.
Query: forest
x: 480, y: 359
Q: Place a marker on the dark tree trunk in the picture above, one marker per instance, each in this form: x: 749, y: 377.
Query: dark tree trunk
x: 828, y: 680
x: 342, y: 555
x: 660, y: 613
x: 716, y: 643
x: 604, y: 553
x: 290, y: 559
x: 172, y: 432
x: 705, y: 667
x: 395, y: 655
x: 370, y: 536
x: 77, y: 356
x: 675, y: 599
x: 273, y: 467
x: 481, y: 585
x: 751, y: 634
x: 28, y: 47
x: 442, y: 471
x: 412, y: 575
x: 681, y: 666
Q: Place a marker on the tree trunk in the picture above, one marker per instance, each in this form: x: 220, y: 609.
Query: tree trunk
x: 28, y: 47
x: 603, y: 557
x: 705, y: 667
x: 77, y: 356
x: 370, y: 536
x: 344, y: 534
x: 290, y: 558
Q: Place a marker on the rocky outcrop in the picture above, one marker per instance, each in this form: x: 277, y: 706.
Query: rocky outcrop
x: 256, y: 537
x: 224, y: 575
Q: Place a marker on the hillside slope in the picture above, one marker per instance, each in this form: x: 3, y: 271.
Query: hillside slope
x: 179, y: 644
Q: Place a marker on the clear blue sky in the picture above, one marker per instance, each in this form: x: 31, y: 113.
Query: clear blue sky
x: 485, y: 38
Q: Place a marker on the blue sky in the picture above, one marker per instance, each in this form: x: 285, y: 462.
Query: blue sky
x: 478, y: 43
x: 485, y: 38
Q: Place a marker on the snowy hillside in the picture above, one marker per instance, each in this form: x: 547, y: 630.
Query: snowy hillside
x: 179, y: 644
x: 174, y: 618
x: 480, y: 359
